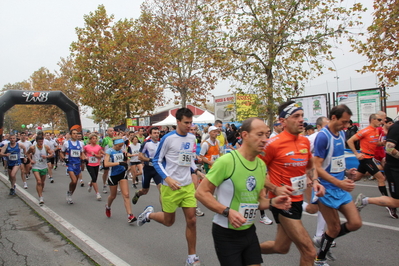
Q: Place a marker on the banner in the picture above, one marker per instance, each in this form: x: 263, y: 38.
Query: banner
x: 313, y: 106
x: 224, y: 108
x: 245, y: 106
x: 144, y: 121
x: 131, y: 122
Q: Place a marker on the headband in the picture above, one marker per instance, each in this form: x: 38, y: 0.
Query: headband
x: 289, y: 110
x: 118, y: 141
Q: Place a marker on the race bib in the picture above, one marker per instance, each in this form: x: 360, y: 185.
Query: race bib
x: 93, y: 159
x: 75, y: 153
x: 248, y: 210
x: 118, y: 157
x: 214, y: 157
x: 185, y: 158
x: 298, y: 184
x: 13, y: 157
x: 40, y: 160
x: 338, y: 164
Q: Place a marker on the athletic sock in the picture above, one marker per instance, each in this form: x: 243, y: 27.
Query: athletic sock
x: 321, y: 224
x: 262, y: 213
x: 365, y: 201
x: 191, y: 258
x: 343, y: 231
x: 325, y: 245
x: 383, y: 190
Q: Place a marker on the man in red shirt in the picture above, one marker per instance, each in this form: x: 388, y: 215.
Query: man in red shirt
x: 290, y: 171
x: 369, y: 140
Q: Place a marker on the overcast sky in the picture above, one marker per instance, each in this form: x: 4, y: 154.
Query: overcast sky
x: 38, y: 33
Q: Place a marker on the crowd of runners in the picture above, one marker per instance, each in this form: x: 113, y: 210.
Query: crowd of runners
x: 235, y: 172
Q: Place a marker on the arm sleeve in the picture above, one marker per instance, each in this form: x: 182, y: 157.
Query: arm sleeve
x: 320, y: 145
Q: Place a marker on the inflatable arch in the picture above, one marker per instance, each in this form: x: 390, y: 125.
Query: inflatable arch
x: 58, y: 98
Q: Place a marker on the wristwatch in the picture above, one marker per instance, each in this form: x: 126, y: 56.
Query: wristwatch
x: 225, y: 212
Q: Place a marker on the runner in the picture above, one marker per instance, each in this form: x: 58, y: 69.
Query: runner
x: 38, y: 155
x: 391, y: 171
x: 75, y: 150
x: 82, y: 162
x: 368, y: 138
x: 107, y: 143
x: 116, y: 159
x: 140, y: 135
x: 50, y: 161
x: 172, y: 161
x: 290, y: 170
x: 25, y: 162
x: 277, y: 129
x: 210, y: 149
x: 136, y: 166
x: 146, y: 155
x: 237, y: 179
x: 94, y: 153
x: 330, y: 165
x: 12, y: 151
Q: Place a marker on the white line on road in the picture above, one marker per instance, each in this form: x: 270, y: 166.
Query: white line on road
x: 111, y: 257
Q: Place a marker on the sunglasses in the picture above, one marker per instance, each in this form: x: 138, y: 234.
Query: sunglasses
x: 379, y: 119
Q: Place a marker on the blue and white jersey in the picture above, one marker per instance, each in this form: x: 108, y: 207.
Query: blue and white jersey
x: 175, y: 157
x: 14, y: 157
x: 149, y: 148
x: 116, y: 157
x: 74, y: 150
x: 331, y: 148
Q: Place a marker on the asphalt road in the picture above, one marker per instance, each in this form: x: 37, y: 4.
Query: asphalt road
x: 376, y: 243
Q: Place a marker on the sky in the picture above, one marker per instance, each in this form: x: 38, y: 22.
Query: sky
x: 38, y: 33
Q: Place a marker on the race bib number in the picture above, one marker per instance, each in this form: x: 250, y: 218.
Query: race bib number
x: 13, y: 157
x: 118, y: 157
x: 40, y: 160
x: 248, y: 210
x: 93, y: 159
x: 338, y: 164
x: 214, y: 157
x: 185, y: 158
x: 75, y: 153
x: 298, y: 184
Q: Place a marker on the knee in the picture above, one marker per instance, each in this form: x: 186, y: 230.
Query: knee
x: 282, y: 250
x: 169, y: 223
x: 192, y: 222
x: 125, y: 195
x: 355, y: 225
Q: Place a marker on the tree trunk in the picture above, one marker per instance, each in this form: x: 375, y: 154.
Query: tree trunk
x: 183, y: 94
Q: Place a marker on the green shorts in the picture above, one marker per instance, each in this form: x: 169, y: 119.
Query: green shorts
x: 183, y: 197
x: 41, y: 171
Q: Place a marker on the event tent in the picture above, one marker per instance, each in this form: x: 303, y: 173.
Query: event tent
x: 206, y: 117
x: 168, y: 121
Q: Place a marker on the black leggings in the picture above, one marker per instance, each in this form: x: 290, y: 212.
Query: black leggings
x: 93, y: 171
x: 392, y: 175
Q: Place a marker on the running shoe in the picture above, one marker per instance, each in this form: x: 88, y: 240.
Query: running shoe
x: 89, y: 187
x: 135, y: 198
x: 27, y: 177
x: 131, y: 219
x: 105, y: 189
x: 265, y: 220
x: 134, y: 185
x: 98, y: 196
x: 55, y: 167
x: 107, y: 211
x: 41, y: 201
x: 82, y: 184
x: 359, y: 202
x: 196, y: 262
x: 12, y: 191
x: 142, y: 219
x: 69, y: 198
x: 317, y: 242
x: 25, y: 185
x: 320, y: 263
x: 392, y: 212
x: 198, y: 212
x: 51, y: 180
x: 119, y: 191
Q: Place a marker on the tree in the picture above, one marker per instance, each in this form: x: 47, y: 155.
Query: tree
x: 112, y: 69
x: 187, y: 54
x: 277, y: 45
x: 381, y: 46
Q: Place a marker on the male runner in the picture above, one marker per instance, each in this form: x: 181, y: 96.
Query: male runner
x: 106, y: 144
x: 368, y: 138
x: 238, y: 179
x: 210, y: 149
x: 290, y: 171
x: 75, y: 150
x: 391, y: 170
x: 172, y: 161
x: 12, y: 151
x: 25, y: 162
x: 330, y: 165
x: 146, y: 155
x: 52, y: 144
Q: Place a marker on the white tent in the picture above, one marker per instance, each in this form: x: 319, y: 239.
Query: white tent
x: 206, y: 117
x: 169, y: 121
